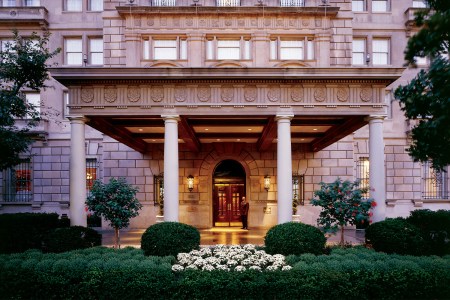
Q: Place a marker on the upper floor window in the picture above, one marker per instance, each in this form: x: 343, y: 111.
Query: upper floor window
x: 292, y: 3
x: 228, y: 49
x: 8, y: 3
x: 73, y: 5
x: 419, y: 4
x: 362, y: 174
x: 17, y: 183
x: 358, y: 5
x: 358, y: 51
x: 32, y: 2
x: 165, y: 49
x: 380, y: 51
x: 435, y: 183
x: 96, y: 51
x: 380, y: 6
x: 228, y: 2
x: 163, y: 2
x: 95, y: 5
x: 73, y: 50
x: 292, y: 49
x: 35, y: 100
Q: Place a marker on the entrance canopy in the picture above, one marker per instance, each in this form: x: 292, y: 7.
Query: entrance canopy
x: 226, y: 105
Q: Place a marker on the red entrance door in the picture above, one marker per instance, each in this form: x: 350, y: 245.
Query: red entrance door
x: 227, y: 198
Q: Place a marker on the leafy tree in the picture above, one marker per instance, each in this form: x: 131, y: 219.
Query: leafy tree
x: 342, y: 203
x: 116, y: 202
x: 23, y: 66
x: 426, y: 99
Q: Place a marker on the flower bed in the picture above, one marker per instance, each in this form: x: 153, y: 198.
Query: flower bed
x: 230, y: 258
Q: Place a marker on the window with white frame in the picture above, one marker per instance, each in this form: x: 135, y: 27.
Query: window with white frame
x: 95, y: 5
x: 32, y: 2
x: 165, y: 49
x: 419, y: 4
x: 8, y: 3
x: 163, y: 2
x: 359, y: 5
x: 359, y: 51
x: 228, y: 2
x: 380, y: 6
x: 35, y: 100
x: 17, y: 183
x: 292, y: 3
x: 73, y: 5
x: 66, y: 103
x: 380, y: 51
x: 362, y: 174
x: 292, y: 49
x: 435, y: 182
x: 228, y: 49
x: 96, y: 51
x: 73, y: 50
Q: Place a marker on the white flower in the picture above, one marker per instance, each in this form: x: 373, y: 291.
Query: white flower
x: 286, y: 268
x: 177, y: 268
x: 191, y: 267
x: 232, y: 263
x: 199, y: 262
x: 271, y: 268
x: 223, y: 268
x: 240, y: 269
x: 255, y: 268
x: 208, y: 268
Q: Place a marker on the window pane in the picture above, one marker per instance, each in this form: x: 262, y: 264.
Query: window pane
x: 358, y: 5
x: 73, y: 45
x: 73, y: 49
x: 73, y: 5
x: 380, y: 52
x: 273, y: 49
x: 247, y: 50
x: 222, y: 44
x: 165, y: 53
x: 359, y: 45
x: 310, y: 45
x: 35, y: 100
x: 32, y: 2
x: 18, y: 183
x: 209, y: 49
x: 165, y: 43
x: 96, y: 45
x: 96, y: 59
x: 291, y: 50
x: 183, y: 49
x: 228, y: 53
x: 359, y: 49
x: 74, y: 59
x: 419, y: 4
x: 95, y: 5
x: 434, y: 183
x: 362, y: 170
x: 9, y: 3
x: 379, y: 5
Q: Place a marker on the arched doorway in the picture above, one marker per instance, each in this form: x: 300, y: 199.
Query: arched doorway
x: 228, y: 190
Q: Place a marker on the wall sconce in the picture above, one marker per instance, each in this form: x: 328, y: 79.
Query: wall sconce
x: 190, y: 183
x: 85, y: 59
x: 267, y: 182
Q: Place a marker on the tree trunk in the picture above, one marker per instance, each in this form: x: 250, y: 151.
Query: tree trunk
x: 116, y: 238
x: 342, y: 236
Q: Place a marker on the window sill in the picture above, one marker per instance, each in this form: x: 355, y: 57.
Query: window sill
x: 419, y: 203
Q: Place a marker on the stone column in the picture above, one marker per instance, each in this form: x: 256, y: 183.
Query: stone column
x: 171, y: 168
x: 196, y: 49
x: 377, y: 172
x: 284, y: 169
x: 77, y: 171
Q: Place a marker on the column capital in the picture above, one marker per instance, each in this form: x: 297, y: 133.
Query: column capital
x: 374, y: 118
x: 283, y: 117
x: 77, y: 119
x: 171, y: 117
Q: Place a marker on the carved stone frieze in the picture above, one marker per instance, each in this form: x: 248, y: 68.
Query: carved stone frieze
x: 157, y: 94
x: 87, y: 94
x: 189, y: 21
x: 227, y: 93
x: 204, y: 93
x: 280, y: 23
x: 274, y: 93
x: 180, y: 94
x: 250, y: 93
x: 366, y: 93
x: 163, y: 21
x: 320, y: 93
x: 176, y: 22
x: 134, y: 93
x: 241, y: 22
x: 254, y: 22
x: 305, y: 22
x: 110, y: 94
x: 297, y: 94
x: 318, y: 22
x: 150, y: 22
x: 203, y: 23
x: 228, y: 22
x: 343, y: 94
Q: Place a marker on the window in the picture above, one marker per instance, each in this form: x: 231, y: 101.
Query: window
x: 358, y: 51
x: 165, y: 49
x: 380, y: 50
x: 74, y: 5
x: 8, y: 3
x: 362, y: 174
x: 358, y: 5
x: 419, y: 4
x: 35, y: 100
x: 228, y: 49
x: 96, y: 51
x: 421, y: 61
x: 17, y: 183
x: 163, y: 2
x: 228, y: 2
x: 298, y: 191
x: 434, y: 183
x: 91, y: 173
x: 95, y: 5
x: 158, y: 192
x: 292, y: 3
x: 282, y: 49
x: 380, y: 6
x: 73, y: 51
x: 32, y: 2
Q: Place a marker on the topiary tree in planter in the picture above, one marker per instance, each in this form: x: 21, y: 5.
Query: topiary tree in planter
x: 342, y: 203
x: 116, y: 202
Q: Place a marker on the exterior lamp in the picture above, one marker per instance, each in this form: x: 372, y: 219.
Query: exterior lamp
x: 190, y: 183
x: 267, y: 182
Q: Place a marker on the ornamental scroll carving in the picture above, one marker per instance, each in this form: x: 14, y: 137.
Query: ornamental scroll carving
x: 87, y: 95
x: 274, y: 93
x: 342, y: 94
x: 366, y: 93
x: 241, y: 22
x: 189, y: 21
x: 227, y: 93
x: 110, y: 94
x: 228, y: 22
x: 320, y: 93
x: 297, y: 94
x: 250, y: 93
x: 180, y: 94
x: 157, y: 94
x: 305, y: 22
x: 134, y: 93
x: 204, y: 93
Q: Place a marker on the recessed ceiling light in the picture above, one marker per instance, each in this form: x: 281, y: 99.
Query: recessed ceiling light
x: 238, y: 140
x: 315, y: 129
x: 302, y: 139
x: 206, y: 129
x: 218, y: 140
x: 140, y: 129
x: 249, y: 129
x: 153, y: 140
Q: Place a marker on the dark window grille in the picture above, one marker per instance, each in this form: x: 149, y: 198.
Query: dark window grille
x: 17, y: 183
x: 228, y: 2
x: 163, y: 2
x: 362, y: 174
x: 434, y: 183
x: 91, y: 173
x: 158, y: 192
x: 298, y: 189
x: 292, y: 3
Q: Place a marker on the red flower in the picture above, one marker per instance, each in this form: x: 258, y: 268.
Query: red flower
x: 86, y: 209
x: 373, y: 204
x: 370, y: 214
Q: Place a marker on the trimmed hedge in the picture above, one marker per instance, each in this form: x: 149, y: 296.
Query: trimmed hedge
x: 170, y: 238
x: 294, y: 238
x: 71, y: 238
x: 102, y: 273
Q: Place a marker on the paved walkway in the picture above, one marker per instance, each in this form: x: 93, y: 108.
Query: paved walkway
x: 226, y: 236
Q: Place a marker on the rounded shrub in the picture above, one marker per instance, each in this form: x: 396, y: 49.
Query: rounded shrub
x: 396, y: 236
x: 294, y: 238
x: 71, y: 238
x: 170, y: 238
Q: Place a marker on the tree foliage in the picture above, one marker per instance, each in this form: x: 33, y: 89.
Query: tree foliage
x: 23, y: 67
x: 116, y: 202
x: 426, y: 99
x: 342, y: 203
